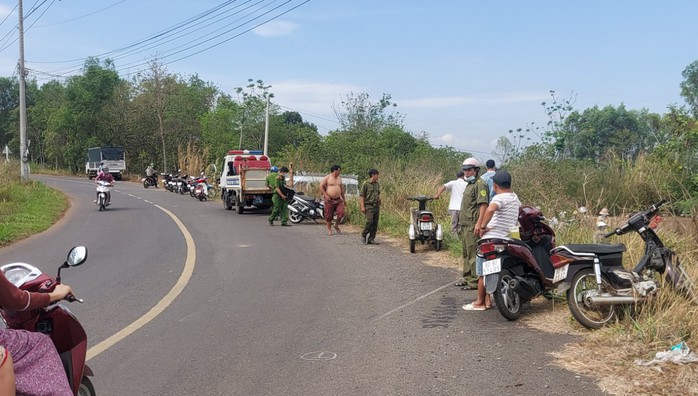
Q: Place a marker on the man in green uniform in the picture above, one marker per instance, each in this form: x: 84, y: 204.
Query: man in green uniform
x: 472, y: 209
x: 279, y: 198
x: 370, y: 201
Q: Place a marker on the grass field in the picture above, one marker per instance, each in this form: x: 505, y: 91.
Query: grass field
x: 26, y: 208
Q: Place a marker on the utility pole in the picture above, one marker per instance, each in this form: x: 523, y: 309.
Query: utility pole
x: 266, y: 128
x: 23, y: 149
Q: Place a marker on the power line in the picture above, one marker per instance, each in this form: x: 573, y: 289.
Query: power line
x: 201, y: 40
x: 82, y: 16
x: 8, y: 15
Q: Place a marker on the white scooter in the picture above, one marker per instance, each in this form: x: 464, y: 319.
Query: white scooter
x: 103, y: 189
x: 423, y: 228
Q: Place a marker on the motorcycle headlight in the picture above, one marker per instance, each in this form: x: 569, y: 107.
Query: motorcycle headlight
x: 16, y: 275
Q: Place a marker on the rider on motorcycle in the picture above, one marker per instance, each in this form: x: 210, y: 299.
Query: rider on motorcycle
x: 107, y: 177
x: 152, y: 174
x: 37, y: 366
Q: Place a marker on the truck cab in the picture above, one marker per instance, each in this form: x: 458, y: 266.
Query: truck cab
x: 243, y: 180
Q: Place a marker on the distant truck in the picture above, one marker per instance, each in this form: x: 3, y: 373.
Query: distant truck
x: 243, y: 180
x: 112, y: 157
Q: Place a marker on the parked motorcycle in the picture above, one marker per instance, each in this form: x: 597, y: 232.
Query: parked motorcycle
x: 518, y: 270
x: 598, y: 283
x: 423, y: 228
x: 150, y: 181
x: 301, y: 207
x: 200, y: 189
x: 56, y: 321
x: 183, y: 184
x: 103, y: 188
x: 169, y: 181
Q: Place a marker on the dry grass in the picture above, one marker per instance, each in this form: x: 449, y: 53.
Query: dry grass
x: 609, y: 354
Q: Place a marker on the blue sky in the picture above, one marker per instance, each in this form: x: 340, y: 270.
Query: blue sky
x: 465, y: 71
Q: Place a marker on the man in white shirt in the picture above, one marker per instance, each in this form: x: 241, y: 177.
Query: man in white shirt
x: 456, y: 188
x: 501, y: 216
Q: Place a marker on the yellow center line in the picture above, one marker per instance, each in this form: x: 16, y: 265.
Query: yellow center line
x: 162, y: 304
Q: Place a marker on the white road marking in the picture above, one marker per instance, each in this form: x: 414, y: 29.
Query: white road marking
x: 164, y: 302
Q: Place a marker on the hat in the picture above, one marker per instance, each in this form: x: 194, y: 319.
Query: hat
x: 502, y: 179
x: 604, y: 212
x: 470, y: 163
x: 601, y: 224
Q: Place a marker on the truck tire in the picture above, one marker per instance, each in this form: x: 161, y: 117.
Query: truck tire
x: 240, y: 205
x: 226, y: 202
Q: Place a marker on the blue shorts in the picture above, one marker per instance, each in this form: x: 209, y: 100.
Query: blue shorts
x: 478, y: 265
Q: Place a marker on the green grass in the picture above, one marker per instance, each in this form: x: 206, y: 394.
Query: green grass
x: 26, y: 208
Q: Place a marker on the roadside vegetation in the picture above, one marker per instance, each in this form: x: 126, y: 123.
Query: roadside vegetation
x: 26, y: 208
x: 613, y: 157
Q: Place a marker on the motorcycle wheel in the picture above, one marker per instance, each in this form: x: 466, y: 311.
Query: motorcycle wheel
x: 86, y: 388
x: 211, y: 192
x: 588, y: 316
x: 294, y: 217
x: 100, y: 202
x: 412, y: 245
x: 226, y: 202
x: 146, y: 184
x: 201, y: 197
x: 240, y: 206
x: 508, y: 301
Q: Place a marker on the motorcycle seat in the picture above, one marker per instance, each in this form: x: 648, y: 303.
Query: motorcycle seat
x: 305, y: 198
x: 597, y: 249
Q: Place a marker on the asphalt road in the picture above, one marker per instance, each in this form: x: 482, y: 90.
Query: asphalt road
x: 277, y: 310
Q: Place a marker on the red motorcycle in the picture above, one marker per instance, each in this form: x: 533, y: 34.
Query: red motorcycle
x: 518, y: 270
x: 56, y: 321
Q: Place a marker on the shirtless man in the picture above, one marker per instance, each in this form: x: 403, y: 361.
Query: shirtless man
x: 333, y: 192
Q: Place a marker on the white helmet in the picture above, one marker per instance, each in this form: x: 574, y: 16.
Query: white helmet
x: 470, y: 163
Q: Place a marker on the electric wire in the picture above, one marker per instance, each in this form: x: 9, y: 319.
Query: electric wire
x: 194, y: 43
x: 9, y: 14
x: 82, y: 16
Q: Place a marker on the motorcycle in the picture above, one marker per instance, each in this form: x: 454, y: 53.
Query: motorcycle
x: 598, y: 283
x: 517, y: 270
x: 56, y: 321
x: 103, y: 188
x: 169, y: 181
x: 423, y: 228
x: 183, y: 184
x: 150, y: 181
x: 301, y: 207
x: 201, y: 188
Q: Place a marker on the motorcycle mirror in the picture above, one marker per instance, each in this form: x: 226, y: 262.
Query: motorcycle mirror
x: 77, y: 256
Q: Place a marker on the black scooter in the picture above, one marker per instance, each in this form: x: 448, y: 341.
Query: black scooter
x: 598, y: 283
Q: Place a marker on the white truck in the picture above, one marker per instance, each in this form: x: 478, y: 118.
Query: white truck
x: 112, y: 157
x: 243, y: 180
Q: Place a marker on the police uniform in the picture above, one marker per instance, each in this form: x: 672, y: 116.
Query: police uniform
x: 371, y: 191
x: 476, y: 193
x: 280, y: 205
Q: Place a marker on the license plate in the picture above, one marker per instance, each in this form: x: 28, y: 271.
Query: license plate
x: 257, y: 200
x: 560, y: 273
x: 492, y: 266
x: 425, y: 226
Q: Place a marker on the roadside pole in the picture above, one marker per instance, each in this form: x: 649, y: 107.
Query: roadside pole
x: 23, y: 150
x: 266, y: 128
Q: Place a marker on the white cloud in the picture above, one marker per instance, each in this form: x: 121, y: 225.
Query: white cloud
x: 313, y: 99
x: 4, y: 10
x: 276, y: 29
x: 481, y: 99
x: 447, y: 138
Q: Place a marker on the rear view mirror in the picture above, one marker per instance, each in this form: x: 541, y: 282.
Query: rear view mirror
x: 77, y: 256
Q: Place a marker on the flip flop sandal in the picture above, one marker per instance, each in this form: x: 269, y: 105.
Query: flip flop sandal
x: 471, y: 307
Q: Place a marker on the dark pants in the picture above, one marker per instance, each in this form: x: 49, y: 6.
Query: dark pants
x: 469, y: 241
x: 372, y: 214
